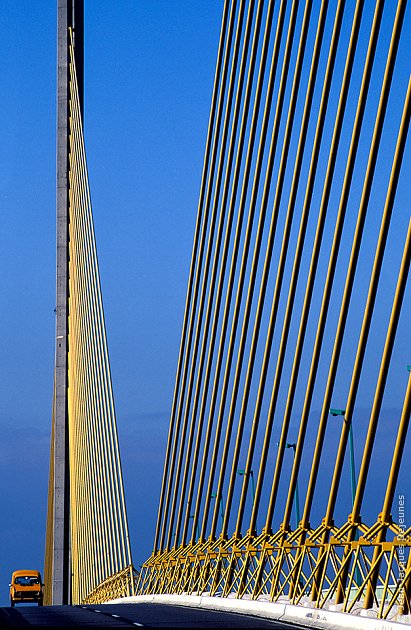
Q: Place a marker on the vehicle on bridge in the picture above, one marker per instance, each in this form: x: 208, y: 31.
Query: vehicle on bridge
x: 26, y: 586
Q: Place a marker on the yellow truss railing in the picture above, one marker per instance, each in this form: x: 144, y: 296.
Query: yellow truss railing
x: 276, y: 568
x: 118, y: 586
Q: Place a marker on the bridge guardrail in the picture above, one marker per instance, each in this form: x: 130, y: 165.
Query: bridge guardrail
x: 121, y: 584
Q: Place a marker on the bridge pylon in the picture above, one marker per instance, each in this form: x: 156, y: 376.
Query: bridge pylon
x: 87, y: 540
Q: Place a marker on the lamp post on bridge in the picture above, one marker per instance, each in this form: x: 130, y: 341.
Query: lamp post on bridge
x: 293, y: 445
x: 213, y: 495
x: 243, y: 473
x: 192, y: 516
x: 341, y: 412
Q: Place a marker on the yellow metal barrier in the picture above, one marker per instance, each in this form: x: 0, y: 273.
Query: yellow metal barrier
x: 122, y: 584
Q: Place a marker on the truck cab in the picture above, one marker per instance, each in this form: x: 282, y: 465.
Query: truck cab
x: 26, y: 586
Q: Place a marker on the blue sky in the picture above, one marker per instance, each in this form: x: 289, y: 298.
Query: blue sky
x: 149, y: 69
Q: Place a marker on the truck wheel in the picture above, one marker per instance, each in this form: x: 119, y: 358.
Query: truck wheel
x: 11, y: 603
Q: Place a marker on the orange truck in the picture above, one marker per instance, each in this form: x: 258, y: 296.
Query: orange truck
x: 26, y: 586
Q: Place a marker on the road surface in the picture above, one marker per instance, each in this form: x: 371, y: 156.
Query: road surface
x: 132, y: 615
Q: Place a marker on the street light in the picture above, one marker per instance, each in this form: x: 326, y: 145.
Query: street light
x: 341, y: 412
x: 192, y: 516
x: 293, y: 445
x: 213, y: 495
x: 242, y: 472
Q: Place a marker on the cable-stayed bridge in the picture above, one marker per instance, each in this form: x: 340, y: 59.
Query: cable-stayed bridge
x: 285, y: 474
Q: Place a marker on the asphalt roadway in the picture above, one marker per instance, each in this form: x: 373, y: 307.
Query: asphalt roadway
x: 132, y: 615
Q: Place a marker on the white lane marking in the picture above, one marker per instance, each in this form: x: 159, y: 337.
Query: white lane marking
x: 118, y: 617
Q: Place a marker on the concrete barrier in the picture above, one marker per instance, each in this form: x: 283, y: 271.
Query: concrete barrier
x: 305, y: 615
